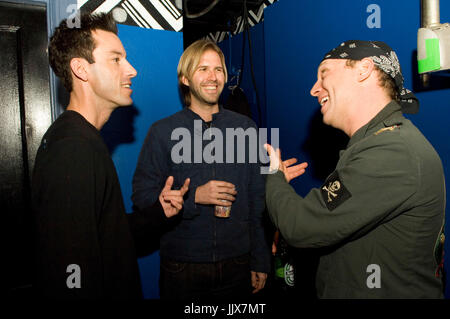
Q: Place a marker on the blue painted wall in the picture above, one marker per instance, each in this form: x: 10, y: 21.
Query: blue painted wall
x: 154, y: 54
x: 298, y: 34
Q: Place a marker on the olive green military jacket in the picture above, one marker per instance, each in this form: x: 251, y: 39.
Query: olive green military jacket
x: 380, y: 214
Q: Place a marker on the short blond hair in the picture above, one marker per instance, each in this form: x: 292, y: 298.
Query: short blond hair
x: 189, y: 61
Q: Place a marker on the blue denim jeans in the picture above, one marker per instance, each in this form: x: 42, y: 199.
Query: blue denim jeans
x: 228, y: 279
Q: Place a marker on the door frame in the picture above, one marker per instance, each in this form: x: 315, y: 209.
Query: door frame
x: 56, y: 12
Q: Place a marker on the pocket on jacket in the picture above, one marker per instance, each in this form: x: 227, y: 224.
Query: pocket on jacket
x: 172, y: 266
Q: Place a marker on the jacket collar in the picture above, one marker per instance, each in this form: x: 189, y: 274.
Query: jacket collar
x: 194, y: 116
x: 390, y: 115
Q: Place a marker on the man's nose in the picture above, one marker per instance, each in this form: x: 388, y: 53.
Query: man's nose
x: 212, y: 75
x: 130, y: 70
x: 316, y: 88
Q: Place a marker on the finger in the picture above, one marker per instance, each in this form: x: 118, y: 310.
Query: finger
x: 274, y: 156
x: 274, y: 249
x: 298, y: 167
x: 291, y: 174
x: 268, y: 148
x: 296, y: 174
x: 225, y: 190
x: 176, y: 204
x: 303, y: 165
x: 276, y: 237
x: 258, y: 287
x: 185, y: 186
x: 278, y: 152
x: 229, y: 198
x: 254, y: 279
x: 169, y: 183
x: 294, y: 169
x: 262, y: 281
x: 226, y: 200
x: 173, y: 199
x: 169, y: 197
x: 223, y: 184
x: 289, y: 162
x: 172, y: 194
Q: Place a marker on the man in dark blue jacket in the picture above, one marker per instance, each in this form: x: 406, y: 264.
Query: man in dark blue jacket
x: 204, y: 255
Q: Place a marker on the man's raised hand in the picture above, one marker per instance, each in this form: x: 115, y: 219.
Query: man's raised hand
x: 172, y: 200
x: 290, y: 172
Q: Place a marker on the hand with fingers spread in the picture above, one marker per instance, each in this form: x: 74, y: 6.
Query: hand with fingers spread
x: 172, y: 200
x: 290, y: 172
x: 214, y: 192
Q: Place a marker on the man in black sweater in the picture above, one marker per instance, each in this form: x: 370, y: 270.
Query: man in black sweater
x: 86, y: 244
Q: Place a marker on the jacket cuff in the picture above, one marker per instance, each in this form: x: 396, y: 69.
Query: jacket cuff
x: 190, y: 208
x: 157, y: 211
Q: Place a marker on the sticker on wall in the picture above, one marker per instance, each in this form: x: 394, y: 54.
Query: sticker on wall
x: 151, y: 14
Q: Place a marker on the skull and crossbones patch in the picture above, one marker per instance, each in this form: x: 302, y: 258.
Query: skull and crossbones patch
x: 334, y: 193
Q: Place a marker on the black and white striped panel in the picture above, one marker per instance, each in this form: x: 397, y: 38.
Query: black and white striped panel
x: 254, y: 17
x: 153, y: 14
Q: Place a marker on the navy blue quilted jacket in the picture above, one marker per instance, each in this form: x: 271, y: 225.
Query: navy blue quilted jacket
x: 199, y: 236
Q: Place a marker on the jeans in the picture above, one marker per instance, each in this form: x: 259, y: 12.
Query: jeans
x: 228, y: 279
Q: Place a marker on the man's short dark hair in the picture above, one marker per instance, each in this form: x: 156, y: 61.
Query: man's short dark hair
x: 67, y: 43
x: 384, y: 80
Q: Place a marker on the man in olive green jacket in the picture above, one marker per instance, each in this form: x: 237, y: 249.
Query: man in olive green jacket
x: 381, y: 212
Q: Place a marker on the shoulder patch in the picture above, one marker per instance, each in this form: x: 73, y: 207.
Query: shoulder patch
x: 334, y: 193
x: 389, y: 128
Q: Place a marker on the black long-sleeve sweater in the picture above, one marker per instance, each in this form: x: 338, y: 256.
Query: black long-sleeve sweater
x: 85, y: 243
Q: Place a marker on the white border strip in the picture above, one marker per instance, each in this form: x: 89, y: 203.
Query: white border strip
x: 176, y: 24
x: 107, y: 6
x: 145, y: 15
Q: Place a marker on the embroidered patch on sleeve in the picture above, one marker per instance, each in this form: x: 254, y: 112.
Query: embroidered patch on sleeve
x: 334, y: 193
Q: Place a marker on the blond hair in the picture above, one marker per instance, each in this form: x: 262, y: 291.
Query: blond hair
x: 189, y: 61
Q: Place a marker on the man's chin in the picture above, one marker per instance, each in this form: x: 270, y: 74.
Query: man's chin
x: 325, y: 119
x: 126, y: 103
x: 214, y: 103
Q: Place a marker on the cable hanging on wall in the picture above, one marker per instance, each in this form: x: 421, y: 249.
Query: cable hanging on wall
x: 201, y: 13
x: 247, y: 31
x: 237, y: 100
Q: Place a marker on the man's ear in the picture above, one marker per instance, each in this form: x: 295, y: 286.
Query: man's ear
x: 365, y: 69
x: 79, y: 68
x: 184, y: 80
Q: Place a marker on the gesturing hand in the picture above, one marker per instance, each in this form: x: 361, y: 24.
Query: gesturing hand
x: 215, y: 191
x: 290, y: 172
x: 172, y: 200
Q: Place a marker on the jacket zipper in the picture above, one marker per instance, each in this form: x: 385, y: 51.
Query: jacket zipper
x: 215, y: 219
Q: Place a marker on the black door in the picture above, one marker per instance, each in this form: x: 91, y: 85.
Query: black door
x: 25, y: 114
